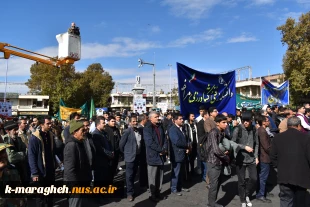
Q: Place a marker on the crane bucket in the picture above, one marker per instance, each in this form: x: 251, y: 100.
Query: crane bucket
x: 69, y: 47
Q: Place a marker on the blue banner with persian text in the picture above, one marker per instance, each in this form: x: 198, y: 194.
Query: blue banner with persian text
x: 273, y: 95
x: 197, y: 88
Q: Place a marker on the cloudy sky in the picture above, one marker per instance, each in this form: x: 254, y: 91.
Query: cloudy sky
x: 206, y: 35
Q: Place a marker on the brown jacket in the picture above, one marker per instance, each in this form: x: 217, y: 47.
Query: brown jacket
x: 209, y: 124
x: 264, y: 145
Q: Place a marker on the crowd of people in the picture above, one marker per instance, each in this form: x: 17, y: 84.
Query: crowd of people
x: 211, y: 145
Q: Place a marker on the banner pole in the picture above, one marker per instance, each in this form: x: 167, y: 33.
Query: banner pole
x: 261, y: 91
x: 288, y: 90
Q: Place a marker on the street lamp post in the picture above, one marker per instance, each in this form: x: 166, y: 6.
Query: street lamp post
x: 154, y: 91
x: 170, y: 87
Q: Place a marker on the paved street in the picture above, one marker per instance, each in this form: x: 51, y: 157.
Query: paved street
x: 228, y: 195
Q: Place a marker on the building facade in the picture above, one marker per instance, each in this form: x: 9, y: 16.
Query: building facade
x: 125, y: 101
x: 27, y: 105
x: 251, y: 88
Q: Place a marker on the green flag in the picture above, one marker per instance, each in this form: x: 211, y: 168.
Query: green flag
x: 84, y: 111
x: 61, y: 102
x: 92, y: 111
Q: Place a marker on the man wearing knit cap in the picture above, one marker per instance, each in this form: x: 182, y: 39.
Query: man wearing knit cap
x: 73, y: 116
x: 17, y: 153
x: 77, y: 167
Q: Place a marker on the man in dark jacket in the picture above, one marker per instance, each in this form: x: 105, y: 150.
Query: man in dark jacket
x: 104, y: 154
x: 156, y: 150
x: 167, y: 121
x: 192, y: 138
x: 17, y: 154
x: 131, y: 145
x: 41, y: 157
x: 88, y: 142
x: 76, y: 164
x: 201, y: 161
x: 143, y: 181
x: 215, y: 158
x: 9, y: 176
x: 74, y: 29
x: 247, y: 157
x: 179, y: 149
x: 264, y: 159
x: 114, y: 137
x: 290, y: 153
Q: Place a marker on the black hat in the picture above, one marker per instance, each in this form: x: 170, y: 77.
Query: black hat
x: 9, y: 125
x: 246, y: 116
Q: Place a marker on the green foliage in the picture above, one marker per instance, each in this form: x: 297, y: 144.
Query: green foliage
x: 98, y: 84
x: 75, y: 88
x: 296, y: 61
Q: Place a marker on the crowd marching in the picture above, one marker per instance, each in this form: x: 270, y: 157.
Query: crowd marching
x: 211, y: 146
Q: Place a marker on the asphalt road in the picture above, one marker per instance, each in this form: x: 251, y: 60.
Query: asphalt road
x: 198, y: 195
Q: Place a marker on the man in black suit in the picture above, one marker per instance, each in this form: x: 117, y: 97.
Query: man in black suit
x: 179, y: 149
x: 290, y: 153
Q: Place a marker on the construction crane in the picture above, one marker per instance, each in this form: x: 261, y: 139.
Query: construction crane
x: 69, y: 51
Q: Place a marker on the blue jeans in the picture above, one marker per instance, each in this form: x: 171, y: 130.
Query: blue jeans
x: 176, y: 176
x: 263, y: 175
x: 204, y: 171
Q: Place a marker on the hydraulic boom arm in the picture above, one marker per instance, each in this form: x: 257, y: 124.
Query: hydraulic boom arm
x: 32, y: 55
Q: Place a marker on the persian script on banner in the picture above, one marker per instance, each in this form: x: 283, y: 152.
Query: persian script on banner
x: 197, y: 88
x: 273, y: 95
